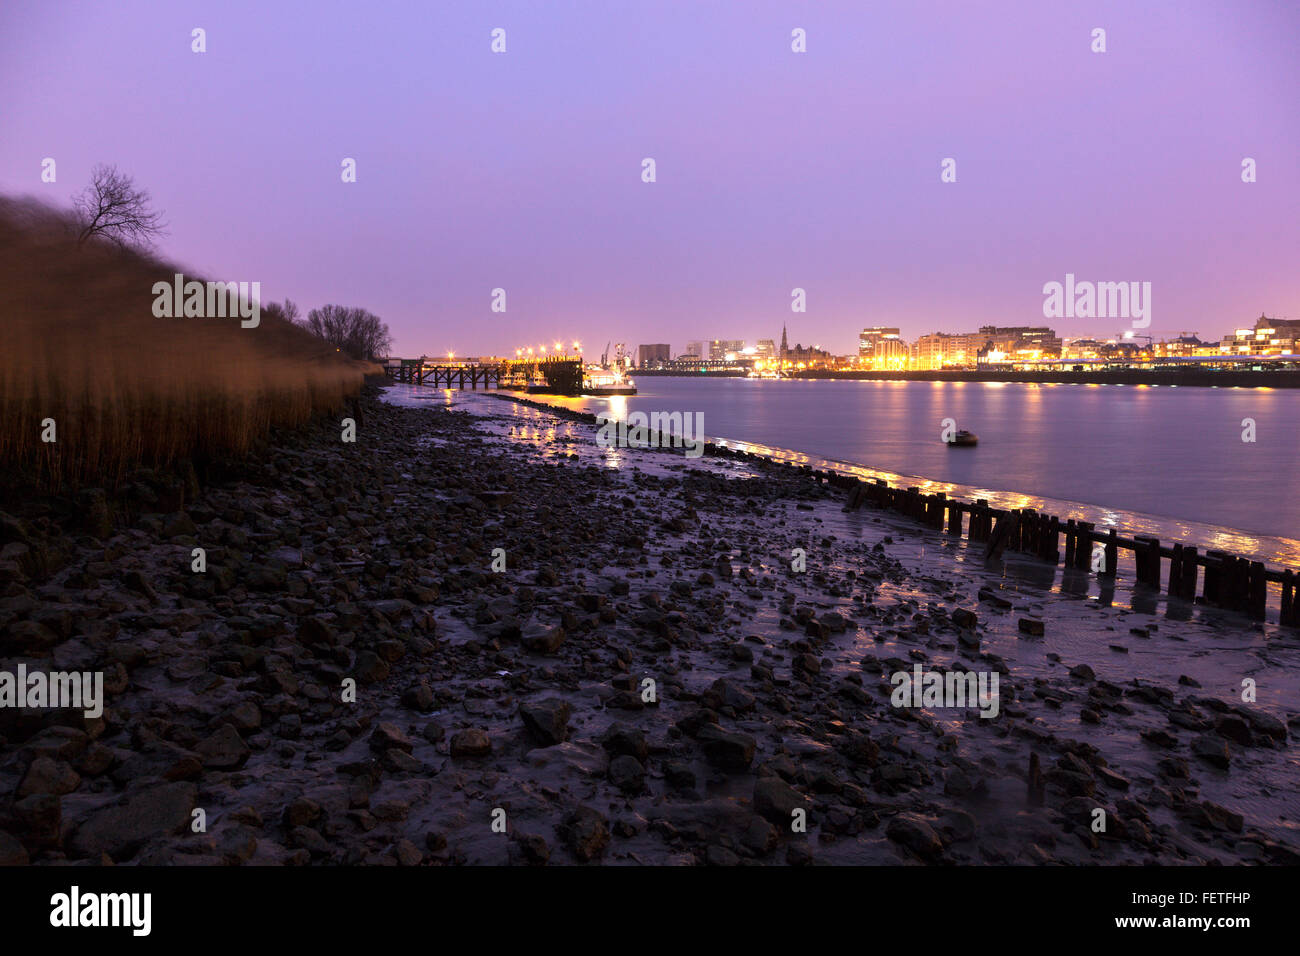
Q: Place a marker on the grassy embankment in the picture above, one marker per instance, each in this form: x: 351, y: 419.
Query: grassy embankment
x: 79, y: 344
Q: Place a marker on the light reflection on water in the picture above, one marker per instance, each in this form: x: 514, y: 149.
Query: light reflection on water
x: 1162, y: 461
x: 1129, y: 460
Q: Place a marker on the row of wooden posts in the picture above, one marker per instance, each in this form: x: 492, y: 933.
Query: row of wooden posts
x: 1230, y: 582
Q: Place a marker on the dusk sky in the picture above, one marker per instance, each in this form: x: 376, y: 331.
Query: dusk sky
x: 775, y: 169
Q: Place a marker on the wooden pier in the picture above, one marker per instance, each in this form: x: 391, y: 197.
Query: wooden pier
x: 1229, y: 582
x: 422, y: 372
x: 561, y: 376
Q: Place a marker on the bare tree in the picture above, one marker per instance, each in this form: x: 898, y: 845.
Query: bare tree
x: 112, y: 208
x: 359, y: 333
x: 287, y: 310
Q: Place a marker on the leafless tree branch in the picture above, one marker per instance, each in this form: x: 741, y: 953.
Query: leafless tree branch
x: 112, y: 208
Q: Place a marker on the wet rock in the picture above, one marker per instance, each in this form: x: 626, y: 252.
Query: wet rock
x: 585, y: 832
x: 1111, y: 779
x: 1175, y: 768
x: 1213, y: 750
x: 1207, y: 814
x: 726, y: 692
x: 957, y: 783
x: 303, y: 812
x: 121, y: 830
x: 30, y: 637
x: 224, y: 750
x: 626, y: 773
x: 388, y: 736
x: 760, y: 837
x: 1031, y: 626
x: 41, y: 817
x: 727, y: 751
x: 371, y: 668
x: 12, y: 852
x: 244, y: 716
x: 470, y: 743
x: 916, y: 835
x: 961, y: 617
x: 619, y: 739
x: 534, y: 849
x: 542, y: 639
x: 315, y: 631
x: 311, y: 841
x: 990, y: 596
x: 776, y: 800
x: 547, y: 721
x: 679, y: 775
x: 47, y: 775
x: 418, y: 698
x: 1264, y: 723
x: 136, y: 581
x: 1233, y: 728
x: 1159, y: 738
x: 407, y: 853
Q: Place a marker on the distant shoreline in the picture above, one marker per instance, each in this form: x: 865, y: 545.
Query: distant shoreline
x: 1196, y: 377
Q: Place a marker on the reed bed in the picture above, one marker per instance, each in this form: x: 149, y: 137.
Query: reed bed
x: 79, y: 344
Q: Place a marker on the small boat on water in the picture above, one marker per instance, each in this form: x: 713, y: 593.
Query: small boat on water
x: 608, y: 384
x: 964, y: 439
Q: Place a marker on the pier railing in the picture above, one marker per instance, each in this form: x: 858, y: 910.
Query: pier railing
x: 561, y: 375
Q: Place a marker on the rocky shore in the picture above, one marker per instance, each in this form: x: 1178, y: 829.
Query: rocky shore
x: 462, y: 640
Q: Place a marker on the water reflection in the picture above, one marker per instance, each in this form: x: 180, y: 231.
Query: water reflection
x: 1147, y: 461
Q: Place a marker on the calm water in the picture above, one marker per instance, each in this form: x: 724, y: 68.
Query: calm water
x: 1162, y: 459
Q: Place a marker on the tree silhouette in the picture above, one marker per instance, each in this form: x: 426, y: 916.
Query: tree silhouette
x: 112, y: 208
x: 357, y: 332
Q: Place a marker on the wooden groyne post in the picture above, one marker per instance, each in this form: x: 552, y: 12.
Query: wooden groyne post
x: 1230, y: 582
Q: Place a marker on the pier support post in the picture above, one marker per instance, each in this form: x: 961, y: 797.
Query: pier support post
x: 954, y: 518
x: 1052, y: 540
x: 1083, y: 548
x: 1238, y: 583
x: 1183, y: 584
x: 1147, y: 558
x: 1028, y: 526
x: 1257, y: 596
x: 1005, y: 531
x: 1112, y: 553
x: 1287, y: 616
x: 1212, y: 588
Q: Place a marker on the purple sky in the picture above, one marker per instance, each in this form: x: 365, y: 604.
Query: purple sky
x: 775, y: 169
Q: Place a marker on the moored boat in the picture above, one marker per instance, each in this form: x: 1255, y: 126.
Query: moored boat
x: 608, y: 384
